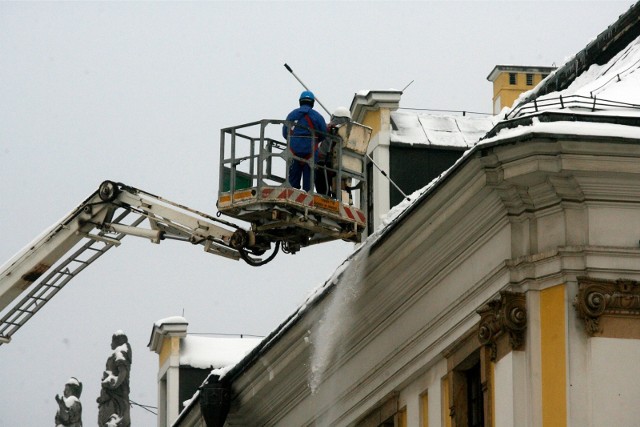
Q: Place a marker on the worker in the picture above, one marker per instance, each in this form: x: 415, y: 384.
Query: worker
x: 324, y: 174
x: 305, y: 130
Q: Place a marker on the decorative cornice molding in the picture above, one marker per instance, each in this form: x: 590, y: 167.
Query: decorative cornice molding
x: 598, y: 298
x: 506, y: 315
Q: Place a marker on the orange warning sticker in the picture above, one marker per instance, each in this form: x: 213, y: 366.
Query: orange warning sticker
x: 241, y: 195
x: 324, y: 203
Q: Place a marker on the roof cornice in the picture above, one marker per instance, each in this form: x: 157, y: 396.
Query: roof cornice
x: 168, y: 329
x: 374, y: 100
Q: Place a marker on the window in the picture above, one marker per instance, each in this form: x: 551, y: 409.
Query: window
x: 529, y: 79
x: 466, y: 389
x: 475, y: 407
x: 513, y: 79
x: 468, y: 384
x: 544, y: 76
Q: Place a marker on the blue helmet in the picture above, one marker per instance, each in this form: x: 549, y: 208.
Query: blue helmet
x: 307, y: 95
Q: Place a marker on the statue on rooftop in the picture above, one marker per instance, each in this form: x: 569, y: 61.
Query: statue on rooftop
x: 69, y: 412
x: 113, y: 402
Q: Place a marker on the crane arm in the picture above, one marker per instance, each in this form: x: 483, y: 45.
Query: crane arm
x: 114, y: 211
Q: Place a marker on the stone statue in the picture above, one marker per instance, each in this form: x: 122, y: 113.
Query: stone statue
x: 113, y: 402
x: 69, y: 408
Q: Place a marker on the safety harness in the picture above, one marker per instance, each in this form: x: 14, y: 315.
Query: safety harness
x: 315, y: 143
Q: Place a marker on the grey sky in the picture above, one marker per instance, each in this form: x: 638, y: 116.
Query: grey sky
x: 137, y: 93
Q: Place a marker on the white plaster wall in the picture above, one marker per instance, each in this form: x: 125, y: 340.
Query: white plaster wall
x: 379, y: 150
x: 510, y: 393
x: 615, y: 382
x: 610, y: 226
x: 430, y: 383
x: 503, y: 405
x: 551, y: 231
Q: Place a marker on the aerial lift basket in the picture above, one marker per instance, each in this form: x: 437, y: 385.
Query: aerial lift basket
x: 254, y: 185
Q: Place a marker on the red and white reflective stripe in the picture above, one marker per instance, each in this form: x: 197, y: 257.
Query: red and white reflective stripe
x: 290, y: 194
x: 299, y: 197
x: 268, y: 193
x: 354, y: 214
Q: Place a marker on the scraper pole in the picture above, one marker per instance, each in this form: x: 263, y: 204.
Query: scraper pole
x: 305, y: 86
x: 388, y: 177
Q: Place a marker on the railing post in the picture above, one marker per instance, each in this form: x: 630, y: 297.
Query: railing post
x: 232, y: 166
x: 260, y: 176
x: 222, y: 163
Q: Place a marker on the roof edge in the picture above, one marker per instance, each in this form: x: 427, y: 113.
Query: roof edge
x: 599, y: 51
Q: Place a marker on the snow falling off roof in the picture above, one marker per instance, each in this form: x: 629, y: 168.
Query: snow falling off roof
x: 214, y: 352
x: 439, y: 130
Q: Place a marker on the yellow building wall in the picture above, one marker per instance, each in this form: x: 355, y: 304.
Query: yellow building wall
x: 553, y: 356
x: 424, y: 410
x: 402, y: 417
x: 170, y: 345
x: 372, y: 119
x: 446, y: 419
x: 507, y: 92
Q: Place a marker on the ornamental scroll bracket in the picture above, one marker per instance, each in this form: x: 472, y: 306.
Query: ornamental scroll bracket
x: 599, y: 298
x: 505, y: 316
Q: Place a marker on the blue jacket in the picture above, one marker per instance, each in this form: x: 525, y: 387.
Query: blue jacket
x: 301, y: 143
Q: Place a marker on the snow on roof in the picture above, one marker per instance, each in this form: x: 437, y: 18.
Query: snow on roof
x: 607, y: 86
x: 439, y: 130
x: 172, y: 319
x: 206, y: 352
x: 617, y: 80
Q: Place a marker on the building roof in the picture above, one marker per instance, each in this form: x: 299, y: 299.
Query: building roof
x: 454, y: 131
x: 603, y: 93
x: 214, y: 352
x: 201, y: 351
x: 601, y: 50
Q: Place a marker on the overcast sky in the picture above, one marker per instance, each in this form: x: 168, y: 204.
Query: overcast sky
x: 137, y: 93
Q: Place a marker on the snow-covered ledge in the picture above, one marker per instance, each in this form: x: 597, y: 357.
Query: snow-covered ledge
x: 372, y: 100
x: 175, y: 326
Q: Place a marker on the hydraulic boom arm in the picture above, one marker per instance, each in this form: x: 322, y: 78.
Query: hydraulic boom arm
x: 98, y: 224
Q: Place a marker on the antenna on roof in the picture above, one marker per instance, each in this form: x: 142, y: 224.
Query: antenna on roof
x: 405, y: 88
